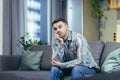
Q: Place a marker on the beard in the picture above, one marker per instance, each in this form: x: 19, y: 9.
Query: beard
x: 61, y: 36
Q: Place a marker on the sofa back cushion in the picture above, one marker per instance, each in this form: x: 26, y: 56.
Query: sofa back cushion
x: 8, y: 62
x: 45, y: 63
x: 96, y: 49
x: 109, y: 47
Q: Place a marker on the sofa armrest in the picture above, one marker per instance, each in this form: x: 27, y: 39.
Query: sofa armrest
x: 8, y: 62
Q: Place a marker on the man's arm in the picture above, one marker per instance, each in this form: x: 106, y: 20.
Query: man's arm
x: 83, y: 54
x: 74, y: 62
x: 78, y: 61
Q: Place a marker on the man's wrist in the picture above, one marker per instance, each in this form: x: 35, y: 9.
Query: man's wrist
x: 62, y: 45
x: 63, y: 65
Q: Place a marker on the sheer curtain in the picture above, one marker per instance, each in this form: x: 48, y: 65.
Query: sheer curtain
x: 13, y: 25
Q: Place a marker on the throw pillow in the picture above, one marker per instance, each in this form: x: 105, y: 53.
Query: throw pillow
x: 31, y: 60
x: 112, y: 61
x: 109, y: 47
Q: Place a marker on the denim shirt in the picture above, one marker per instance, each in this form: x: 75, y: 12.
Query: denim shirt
x: 78, y: 44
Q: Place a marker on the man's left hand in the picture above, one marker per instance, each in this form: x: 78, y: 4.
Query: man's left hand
x: 56, y: 63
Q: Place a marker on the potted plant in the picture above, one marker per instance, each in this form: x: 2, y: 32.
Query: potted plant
x: 27, y: 43
x: 97, y: 10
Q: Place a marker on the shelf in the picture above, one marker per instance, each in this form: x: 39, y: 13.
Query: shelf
x: 115, y: 4
x: 115, y: 7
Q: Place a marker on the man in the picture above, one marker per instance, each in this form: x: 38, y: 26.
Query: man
x: 71, y: 53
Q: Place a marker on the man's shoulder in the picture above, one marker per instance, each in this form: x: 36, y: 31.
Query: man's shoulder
x: 76, y: 34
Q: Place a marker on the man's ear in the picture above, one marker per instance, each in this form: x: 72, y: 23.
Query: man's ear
x: 68, y: 27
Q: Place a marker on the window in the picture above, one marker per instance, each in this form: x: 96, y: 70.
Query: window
x: 37, y: 19
x: 34, y: 18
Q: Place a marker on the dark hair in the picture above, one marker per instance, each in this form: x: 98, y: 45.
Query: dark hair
x: 59, y: 19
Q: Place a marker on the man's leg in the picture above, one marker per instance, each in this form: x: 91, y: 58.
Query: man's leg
x: 56, y: 74
x: 80, y: 71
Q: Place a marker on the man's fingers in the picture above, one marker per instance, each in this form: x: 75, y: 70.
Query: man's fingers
x: 56, y: 35
x: 53, y: 62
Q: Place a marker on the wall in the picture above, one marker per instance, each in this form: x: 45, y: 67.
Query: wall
x: 1, y: 24
x: 90, y: 29
x: 75, y: 15
x: 109, y: 25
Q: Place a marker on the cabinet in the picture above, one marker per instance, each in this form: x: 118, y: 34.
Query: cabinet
x: 115, y: 4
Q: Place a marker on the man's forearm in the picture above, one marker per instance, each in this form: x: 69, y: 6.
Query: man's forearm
x: 71, y: 63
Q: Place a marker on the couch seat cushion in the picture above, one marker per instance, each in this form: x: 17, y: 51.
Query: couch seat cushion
x: 104, y: 76
x: 24, y: 75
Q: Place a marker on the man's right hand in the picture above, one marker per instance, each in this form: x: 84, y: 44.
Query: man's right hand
x: 59, y: 38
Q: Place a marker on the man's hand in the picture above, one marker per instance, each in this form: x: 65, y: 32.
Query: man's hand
x: 59, y: 39
x: 56, y: 63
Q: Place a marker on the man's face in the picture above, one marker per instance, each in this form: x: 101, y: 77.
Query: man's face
x: 61, y: 29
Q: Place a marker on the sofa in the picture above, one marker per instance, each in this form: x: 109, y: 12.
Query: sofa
x: 9, y: 65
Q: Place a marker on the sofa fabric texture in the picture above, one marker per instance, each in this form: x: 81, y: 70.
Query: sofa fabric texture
x: 9, y: 65
x: 96, y: 49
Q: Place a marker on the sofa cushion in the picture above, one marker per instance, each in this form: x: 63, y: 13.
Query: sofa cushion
x: 8, y: 62
x: 46, y: 58
x: 31, y: 60
x: 96, y: 49
x: 25, y: 75
x: 109, y: 46
x: 104, y: 76
x: 112, y: 61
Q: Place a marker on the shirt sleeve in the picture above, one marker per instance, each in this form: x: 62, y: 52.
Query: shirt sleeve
x: 58, y: 51
x: 78, y: 61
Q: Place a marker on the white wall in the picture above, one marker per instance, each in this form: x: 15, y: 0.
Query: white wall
x: 75, y: 15
x: 1, y: 24
x: 109, y: 26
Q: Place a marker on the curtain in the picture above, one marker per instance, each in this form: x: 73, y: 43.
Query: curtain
x: 13, y: 25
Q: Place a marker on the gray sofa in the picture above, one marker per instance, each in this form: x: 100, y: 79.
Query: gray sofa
x: 9, y: 65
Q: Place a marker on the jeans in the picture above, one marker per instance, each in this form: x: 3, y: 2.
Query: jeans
x: 76, y: 72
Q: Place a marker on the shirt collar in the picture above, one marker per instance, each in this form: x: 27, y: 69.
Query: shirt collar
x: 69, y: 36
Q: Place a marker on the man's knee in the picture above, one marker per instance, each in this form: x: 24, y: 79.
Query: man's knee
x: 77, y: 72
x: 77, y: 69
x: 55, y: 69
